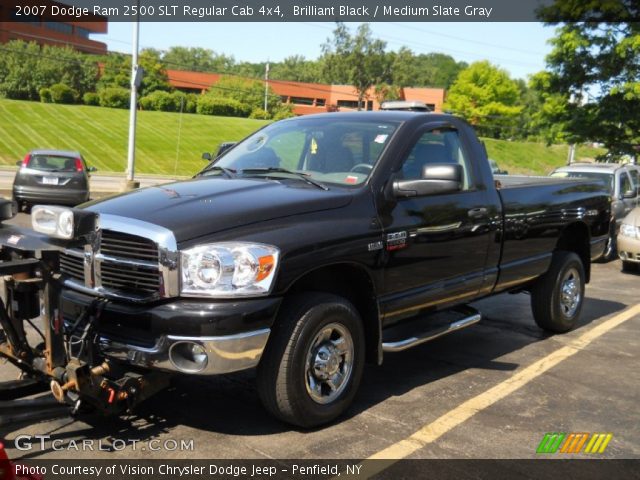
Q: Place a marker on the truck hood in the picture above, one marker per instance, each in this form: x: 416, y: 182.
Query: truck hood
x: 203, y: 206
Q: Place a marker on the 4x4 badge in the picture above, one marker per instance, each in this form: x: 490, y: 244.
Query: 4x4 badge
x: 396, y: 240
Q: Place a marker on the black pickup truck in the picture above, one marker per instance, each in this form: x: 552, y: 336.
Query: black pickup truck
x: 319, y: 243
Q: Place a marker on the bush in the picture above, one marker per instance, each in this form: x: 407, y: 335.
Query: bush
x: 192, y: 103
x: 114, y: 97
x: 61, y: 93
x: 284, y: 111
x: 45, y: 95
x: 224, y: 107
x: 91, y: 98
x: 259, y: 114
x: 158, y: 100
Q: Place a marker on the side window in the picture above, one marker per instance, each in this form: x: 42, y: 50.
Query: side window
x: 634, y: 177
x: 625, y: 183
x: 437, y: 146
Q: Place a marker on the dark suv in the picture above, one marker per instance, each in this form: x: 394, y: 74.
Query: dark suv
x: 52, y: 176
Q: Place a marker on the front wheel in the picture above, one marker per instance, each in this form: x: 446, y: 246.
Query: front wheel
x: 558, y: 295
x: 312, y: 365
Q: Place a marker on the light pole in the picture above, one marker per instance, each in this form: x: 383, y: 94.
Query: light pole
x: 136, y: 78
x: 266, y: 85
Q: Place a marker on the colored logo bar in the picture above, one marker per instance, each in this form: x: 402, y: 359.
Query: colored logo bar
x: 574, y: 442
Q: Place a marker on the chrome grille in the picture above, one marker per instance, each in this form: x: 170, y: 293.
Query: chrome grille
x: 123, y: 245
x: 73, y: 265
x: 128, y: 263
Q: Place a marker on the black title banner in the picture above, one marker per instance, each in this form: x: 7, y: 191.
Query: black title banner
x: 277, y: 10
x: 584, y: 469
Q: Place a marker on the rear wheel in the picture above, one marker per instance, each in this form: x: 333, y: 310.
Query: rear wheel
x: 557, y: 296
x: 312, y: 365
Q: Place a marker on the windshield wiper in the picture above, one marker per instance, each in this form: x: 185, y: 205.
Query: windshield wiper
x: 302, y: 176
x: 228, y: 172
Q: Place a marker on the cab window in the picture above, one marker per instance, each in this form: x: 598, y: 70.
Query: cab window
x: 437, y: 146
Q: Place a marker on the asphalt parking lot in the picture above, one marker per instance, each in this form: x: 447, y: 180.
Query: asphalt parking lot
x: 490, y: 391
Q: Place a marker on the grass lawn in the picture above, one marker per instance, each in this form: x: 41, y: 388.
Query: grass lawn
x: 531, y: 158
x: 172, y: 144
x: 166, y: 143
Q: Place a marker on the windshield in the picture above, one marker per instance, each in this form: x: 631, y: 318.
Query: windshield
x: 327, y: 150
x: 606, y: 178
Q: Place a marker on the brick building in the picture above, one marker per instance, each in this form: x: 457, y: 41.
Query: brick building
x: 45, y: 31
x: 308, y: 98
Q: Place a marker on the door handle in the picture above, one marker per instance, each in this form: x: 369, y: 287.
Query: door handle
x: 477, y: 212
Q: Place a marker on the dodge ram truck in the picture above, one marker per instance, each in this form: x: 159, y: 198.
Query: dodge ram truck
x: 311, y: 247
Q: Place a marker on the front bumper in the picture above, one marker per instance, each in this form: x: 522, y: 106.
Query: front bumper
x: 628, y: 248
x: 232, y: 334
x: 225, y: 354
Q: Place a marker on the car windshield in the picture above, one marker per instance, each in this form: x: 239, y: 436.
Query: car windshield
x: 325, y: 150
x: 606, y: 178
x: 52, y: 163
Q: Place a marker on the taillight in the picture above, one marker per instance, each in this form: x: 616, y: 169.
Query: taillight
x: 25, y: 160
x: 79, y: 165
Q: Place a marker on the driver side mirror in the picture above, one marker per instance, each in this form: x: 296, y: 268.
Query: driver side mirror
x: 207, y: 156
x: 437, y: 178
x: 633, y: 193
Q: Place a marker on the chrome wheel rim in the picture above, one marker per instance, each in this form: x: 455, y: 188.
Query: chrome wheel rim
x: 570, y: 294
x: 329, y: 363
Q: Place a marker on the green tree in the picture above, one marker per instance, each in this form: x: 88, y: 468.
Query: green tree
x: 116, y: 72
x: 593, y: 72
x: 26, y: 68
x: 358, y: 60
x: 155, y: 75
x: 487, y: 97
x: 197, y: 59
x: 296, y: 68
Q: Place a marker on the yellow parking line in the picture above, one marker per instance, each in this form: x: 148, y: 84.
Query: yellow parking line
x: 431, y: 432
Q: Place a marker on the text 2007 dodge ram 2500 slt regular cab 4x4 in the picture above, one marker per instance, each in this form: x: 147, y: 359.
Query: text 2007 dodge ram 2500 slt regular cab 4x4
x: 319, y: 243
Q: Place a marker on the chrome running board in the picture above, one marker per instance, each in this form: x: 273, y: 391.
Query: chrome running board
x: 434, y: 330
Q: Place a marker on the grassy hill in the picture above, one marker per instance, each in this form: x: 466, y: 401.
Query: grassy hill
x: 171, y: 144
x: 101, y: 135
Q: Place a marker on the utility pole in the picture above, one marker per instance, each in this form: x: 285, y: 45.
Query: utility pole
x: 266, y: 85
x: 136, y: 78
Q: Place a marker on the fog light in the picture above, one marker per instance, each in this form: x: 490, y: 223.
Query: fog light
x: 188, y: 357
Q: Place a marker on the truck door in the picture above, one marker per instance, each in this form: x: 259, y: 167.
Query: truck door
x: 436, y: 245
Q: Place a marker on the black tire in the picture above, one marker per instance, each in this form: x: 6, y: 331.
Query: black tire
x: 551, y: 310
x: 629, y: 266
x: 284, y: 370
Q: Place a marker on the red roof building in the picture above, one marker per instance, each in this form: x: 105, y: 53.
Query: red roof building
x: 308, y: 98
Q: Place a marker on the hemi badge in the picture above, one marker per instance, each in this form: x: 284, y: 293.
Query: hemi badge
x: 375, y: 246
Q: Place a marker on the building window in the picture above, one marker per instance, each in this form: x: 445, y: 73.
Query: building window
x: 348, y: 104
x: 369, y: 105
x: 320, y: 102
x: 302, y: 100
x: 59, y: 27
x: 82, y: 32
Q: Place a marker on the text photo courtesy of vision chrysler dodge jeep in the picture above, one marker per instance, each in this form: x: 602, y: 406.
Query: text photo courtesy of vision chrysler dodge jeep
x: 309, y: 248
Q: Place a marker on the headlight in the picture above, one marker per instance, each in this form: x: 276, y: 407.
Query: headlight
x: 62, y: 222
x: 54, y: 221
x: 629, y: 230
x: 228, y: 269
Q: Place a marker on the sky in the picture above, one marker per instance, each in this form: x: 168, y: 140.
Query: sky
x: 519, y: 48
